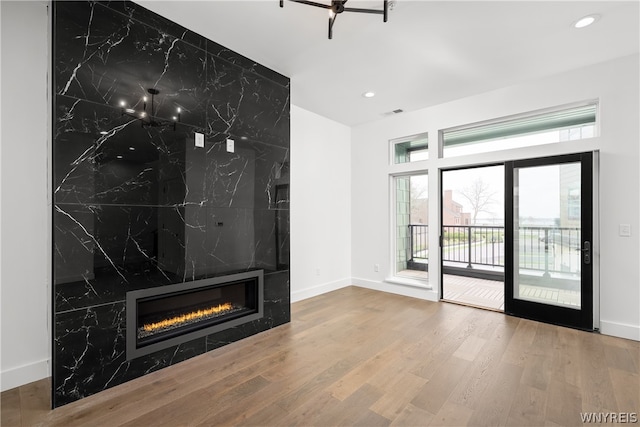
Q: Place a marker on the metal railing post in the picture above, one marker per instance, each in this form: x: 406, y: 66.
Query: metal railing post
x: 410, y: 251
x: 469, y: 240
x: 546, y: 253
x: 493, y: 248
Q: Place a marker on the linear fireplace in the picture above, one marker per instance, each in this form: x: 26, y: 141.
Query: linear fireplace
x: 158, y: 318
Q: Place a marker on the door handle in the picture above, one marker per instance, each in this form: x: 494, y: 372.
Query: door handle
x: 586, y: 252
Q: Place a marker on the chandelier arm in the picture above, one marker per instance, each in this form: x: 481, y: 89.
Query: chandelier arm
x: 310, y: 3
x: 353, y: 9
x: 332, y: 20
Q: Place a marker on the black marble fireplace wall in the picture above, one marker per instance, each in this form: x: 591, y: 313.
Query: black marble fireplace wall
x: 136, y: 206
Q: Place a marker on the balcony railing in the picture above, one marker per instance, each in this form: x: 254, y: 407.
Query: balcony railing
x: 548, y: 249
x: 480, y: 245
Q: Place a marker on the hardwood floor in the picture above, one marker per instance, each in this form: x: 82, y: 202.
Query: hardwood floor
x: 361, y: 357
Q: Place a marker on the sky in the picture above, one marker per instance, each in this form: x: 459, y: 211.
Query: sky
x: 538, y: 190
x: 493, y: 176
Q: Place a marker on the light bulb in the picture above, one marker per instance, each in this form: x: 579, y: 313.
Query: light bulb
x: 586, y: 21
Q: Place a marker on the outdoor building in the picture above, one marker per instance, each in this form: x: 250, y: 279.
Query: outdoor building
x: 452, y: 211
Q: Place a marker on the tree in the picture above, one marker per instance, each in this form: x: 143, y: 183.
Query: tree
x: 418, y: 199
x: 479, y: 196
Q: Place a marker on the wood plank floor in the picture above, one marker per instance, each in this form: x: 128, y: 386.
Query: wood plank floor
x: 360, y: 357
x: 473, y: 291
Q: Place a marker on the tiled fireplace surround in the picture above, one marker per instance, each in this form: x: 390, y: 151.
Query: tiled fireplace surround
x: 138, y: 207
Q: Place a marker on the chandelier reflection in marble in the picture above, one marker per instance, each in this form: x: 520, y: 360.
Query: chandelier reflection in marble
x: 149, y: 119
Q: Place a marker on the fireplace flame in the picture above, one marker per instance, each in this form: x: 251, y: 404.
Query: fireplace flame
x: 184, y: 318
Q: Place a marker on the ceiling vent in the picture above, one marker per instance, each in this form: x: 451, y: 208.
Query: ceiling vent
x: 394, y: 112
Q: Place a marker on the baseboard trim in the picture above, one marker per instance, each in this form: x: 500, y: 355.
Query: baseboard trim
x: 621, y: 330
x: 396, y: 288
x: 25, y: 374
x: 319, y: 290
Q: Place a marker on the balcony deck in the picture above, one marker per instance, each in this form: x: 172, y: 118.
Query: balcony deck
x: 489, y: 294
x: 472, y: 291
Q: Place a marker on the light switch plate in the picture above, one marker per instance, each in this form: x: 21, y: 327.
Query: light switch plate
x: 199, y: 140
x: 624, y: 230
x: 231, y: 146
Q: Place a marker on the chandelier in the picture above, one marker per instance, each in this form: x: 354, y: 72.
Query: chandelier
x: 149, y: 119
x: 338, y: 6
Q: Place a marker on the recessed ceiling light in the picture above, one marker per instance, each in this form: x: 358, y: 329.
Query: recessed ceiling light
x: 118, y: 156
x: 132, y: 148
x: 103, y: 132
x: 369, y: 94
x: 586, y: 21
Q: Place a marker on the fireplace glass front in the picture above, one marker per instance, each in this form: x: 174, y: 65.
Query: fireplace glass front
x: 161, y: 317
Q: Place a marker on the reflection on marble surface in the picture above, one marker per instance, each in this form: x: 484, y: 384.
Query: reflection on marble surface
x: 104, y: 56
x: 102, y: 251
x: 130, y: 164
x: 143, y: 206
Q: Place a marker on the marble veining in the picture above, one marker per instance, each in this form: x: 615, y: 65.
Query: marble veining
x: 142, y: 206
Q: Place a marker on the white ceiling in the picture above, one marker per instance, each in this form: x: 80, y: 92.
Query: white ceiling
x: 429, y: 52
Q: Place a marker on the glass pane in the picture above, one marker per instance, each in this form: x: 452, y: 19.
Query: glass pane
x: 412, y: 237
x: 519, y: 141
x: 547, y: 217
x: 536, y: 129
x: 411, y: 151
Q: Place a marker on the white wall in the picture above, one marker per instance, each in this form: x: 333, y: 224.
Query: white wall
x: 615, y: 84
x: 25, y: 291
x: 320, y: 204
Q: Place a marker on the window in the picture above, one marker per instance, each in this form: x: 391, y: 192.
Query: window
x: 573, y: 204
x: 413, y: 149
x: 558, y: 125
x: 411, y: 226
